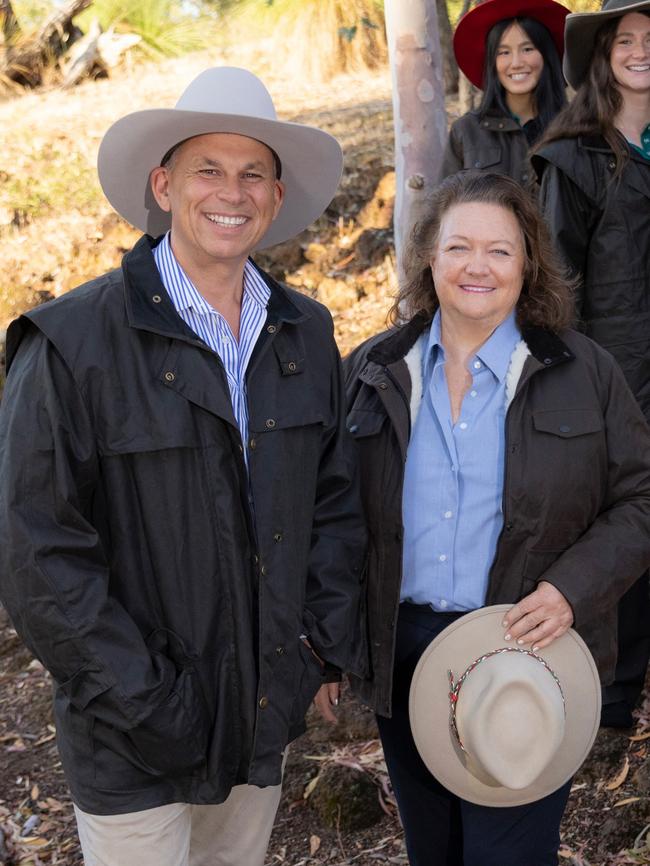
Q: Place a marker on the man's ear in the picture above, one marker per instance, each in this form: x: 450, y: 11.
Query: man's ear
x: 279, y: 197
x: 159, y: 180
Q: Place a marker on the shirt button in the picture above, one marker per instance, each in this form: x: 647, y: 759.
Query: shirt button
x: 477, y: 365
x: 442, y: 557
x: 463, y: 426
x: 443, y: 602
x: 448, y: 514
x: 473, y: 393
x: 264, y: 702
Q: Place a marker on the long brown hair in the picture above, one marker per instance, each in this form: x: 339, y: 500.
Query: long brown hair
x: 546, y: 298
x: 597, y: 101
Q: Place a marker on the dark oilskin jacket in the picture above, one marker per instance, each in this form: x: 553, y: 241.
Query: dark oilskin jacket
x: 601, y: 226
x: 576, y: 498
x: 131, y: 563
x: 492, y: 143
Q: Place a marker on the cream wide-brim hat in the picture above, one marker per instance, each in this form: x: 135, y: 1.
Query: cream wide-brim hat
x: 507, y: 703
x: 222, y: 99
x: 580, y: 33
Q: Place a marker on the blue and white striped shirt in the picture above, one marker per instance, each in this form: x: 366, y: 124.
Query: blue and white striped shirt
x: 212, y: 327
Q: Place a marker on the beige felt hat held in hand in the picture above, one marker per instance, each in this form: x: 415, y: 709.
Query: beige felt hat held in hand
x: 499, y: 725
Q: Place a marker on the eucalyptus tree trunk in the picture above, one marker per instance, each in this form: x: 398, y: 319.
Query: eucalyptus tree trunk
x: 418, y: 108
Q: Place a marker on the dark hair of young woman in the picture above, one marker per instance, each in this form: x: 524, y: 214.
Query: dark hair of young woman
x: 596, y: 103
x: 550, y: 91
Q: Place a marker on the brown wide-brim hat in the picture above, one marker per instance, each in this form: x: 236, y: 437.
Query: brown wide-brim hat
x: 475, y: 642
x: 470, y: 36
x: 222, y: 99
x: 580, y: 35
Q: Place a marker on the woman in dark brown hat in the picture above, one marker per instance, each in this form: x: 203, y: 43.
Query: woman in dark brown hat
x: 512, y: 50
x: 594, y: 169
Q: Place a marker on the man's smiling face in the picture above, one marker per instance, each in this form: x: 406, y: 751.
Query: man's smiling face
x: 222, y: 193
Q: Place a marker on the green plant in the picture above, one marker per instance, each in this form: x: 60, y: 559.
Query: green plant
x: 166, y: 28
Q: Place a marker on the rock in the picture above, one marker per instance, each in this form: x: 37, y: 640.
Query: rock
x: 346, y: 798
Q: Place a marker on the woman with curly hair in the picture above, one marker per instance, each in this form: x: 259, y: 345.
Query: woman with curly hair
x: 594, y: 172
x: 512, y: 50
x: 503, y: 461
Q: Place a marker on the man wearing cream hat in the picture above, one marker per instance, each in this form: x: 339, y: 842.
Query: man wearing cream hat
x: 182, y: 539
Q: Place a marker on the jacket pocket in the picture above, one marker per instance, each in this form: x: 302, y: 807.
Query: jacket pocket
x: 482, y: 157
x: 568, y: 423
x: 365, y: 422
x: 173, y: 740
x: 310, y: 679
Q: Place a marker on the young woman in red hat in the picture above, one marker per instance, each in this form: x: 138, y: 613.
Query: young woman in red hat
x: 512, y: 50
x: 594, y: 172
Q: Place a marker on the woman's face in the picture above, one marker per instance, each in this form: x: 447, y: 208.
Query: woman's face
x: 630, y: 55
x: 478, y: 264
x: 519, y: 64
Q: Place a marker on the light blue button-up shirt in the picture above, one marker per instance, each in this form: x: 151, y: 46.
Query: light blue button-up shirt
x: 453, y: 481
x: 213, y: 328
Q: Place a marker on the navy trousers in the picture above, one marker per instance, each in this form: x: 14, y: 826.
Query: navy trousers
x: 440, y: 828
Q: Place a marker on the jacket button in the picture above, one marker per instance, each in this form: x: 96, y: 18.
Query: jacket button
x: 485, y: 123
x: 500, y: 126
x: 241, y: 449
x: 564, y: 428
x: 279, y: 650
x: 169, y: 376
x: 271, y: 329
x: 611, y: 165
x: 477, y: 164
x: 509, y: 527
x: 548, y: 361
x: 252, y: 444
x: 264, y: 702
x: 524, y: 176
x: 263, y: 571
x: 277, y: 536
x: 353, y: 428
x: 270, y: 423
x: 156, y: 299
x: 383, y: 386
x: 256, y: 558
x: 291, y: 366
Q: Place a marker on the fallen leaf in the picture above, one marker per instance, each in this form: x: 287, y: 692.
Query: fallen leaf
x: 310, y: 787
x: 627, y: 801
x: 618, y: 780
x: 35, y: 793
x: 314, y: 844
x: 638, y: 737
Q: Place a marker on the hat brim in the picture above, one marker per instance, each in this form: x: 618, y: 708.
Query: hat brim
x: 461, y: 643
x: 311, y: 159
x: 470, y: 36
x: 579, y: 37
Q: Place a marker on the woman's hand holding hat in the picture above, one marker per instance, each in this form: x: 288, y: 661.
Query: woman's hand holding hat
x: 539, y: 618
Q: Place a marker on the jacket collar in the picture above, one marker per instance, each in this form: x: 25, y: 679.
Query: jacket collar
x: 494, y: 121
x: 598, y: 144
x: 149, y: 307
x: 545, y: 346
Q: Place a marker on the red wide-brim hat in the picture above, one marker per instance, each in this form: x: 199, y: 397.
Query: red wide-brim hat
x: 470, y: 37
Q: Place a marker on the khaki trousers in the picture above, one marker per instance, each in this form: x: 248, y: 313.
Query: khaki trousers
x: 234, y: 833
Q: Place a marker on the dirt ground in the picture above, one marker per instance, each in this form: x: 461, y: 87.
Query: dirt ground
x: 346, y: 260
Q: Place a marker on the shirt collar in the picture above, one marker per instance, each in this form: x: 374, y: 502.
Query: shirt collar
x: 495, y: 353
x: 185, y: 295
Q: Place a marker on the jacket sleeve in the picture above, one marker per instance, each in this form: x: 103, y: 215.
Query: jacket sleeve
x: 334, y: 617
x: 452, y: 158
x: 54, y: 573
x: 596, y: 570
x: 569, y: 215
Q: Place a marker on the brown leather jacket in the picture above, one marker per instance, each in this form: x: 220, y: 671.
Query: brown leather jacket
x: 576, y: 499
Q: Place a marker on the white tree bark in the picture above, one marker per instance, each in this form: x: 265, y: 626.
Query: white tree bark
x: 418, y: 107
